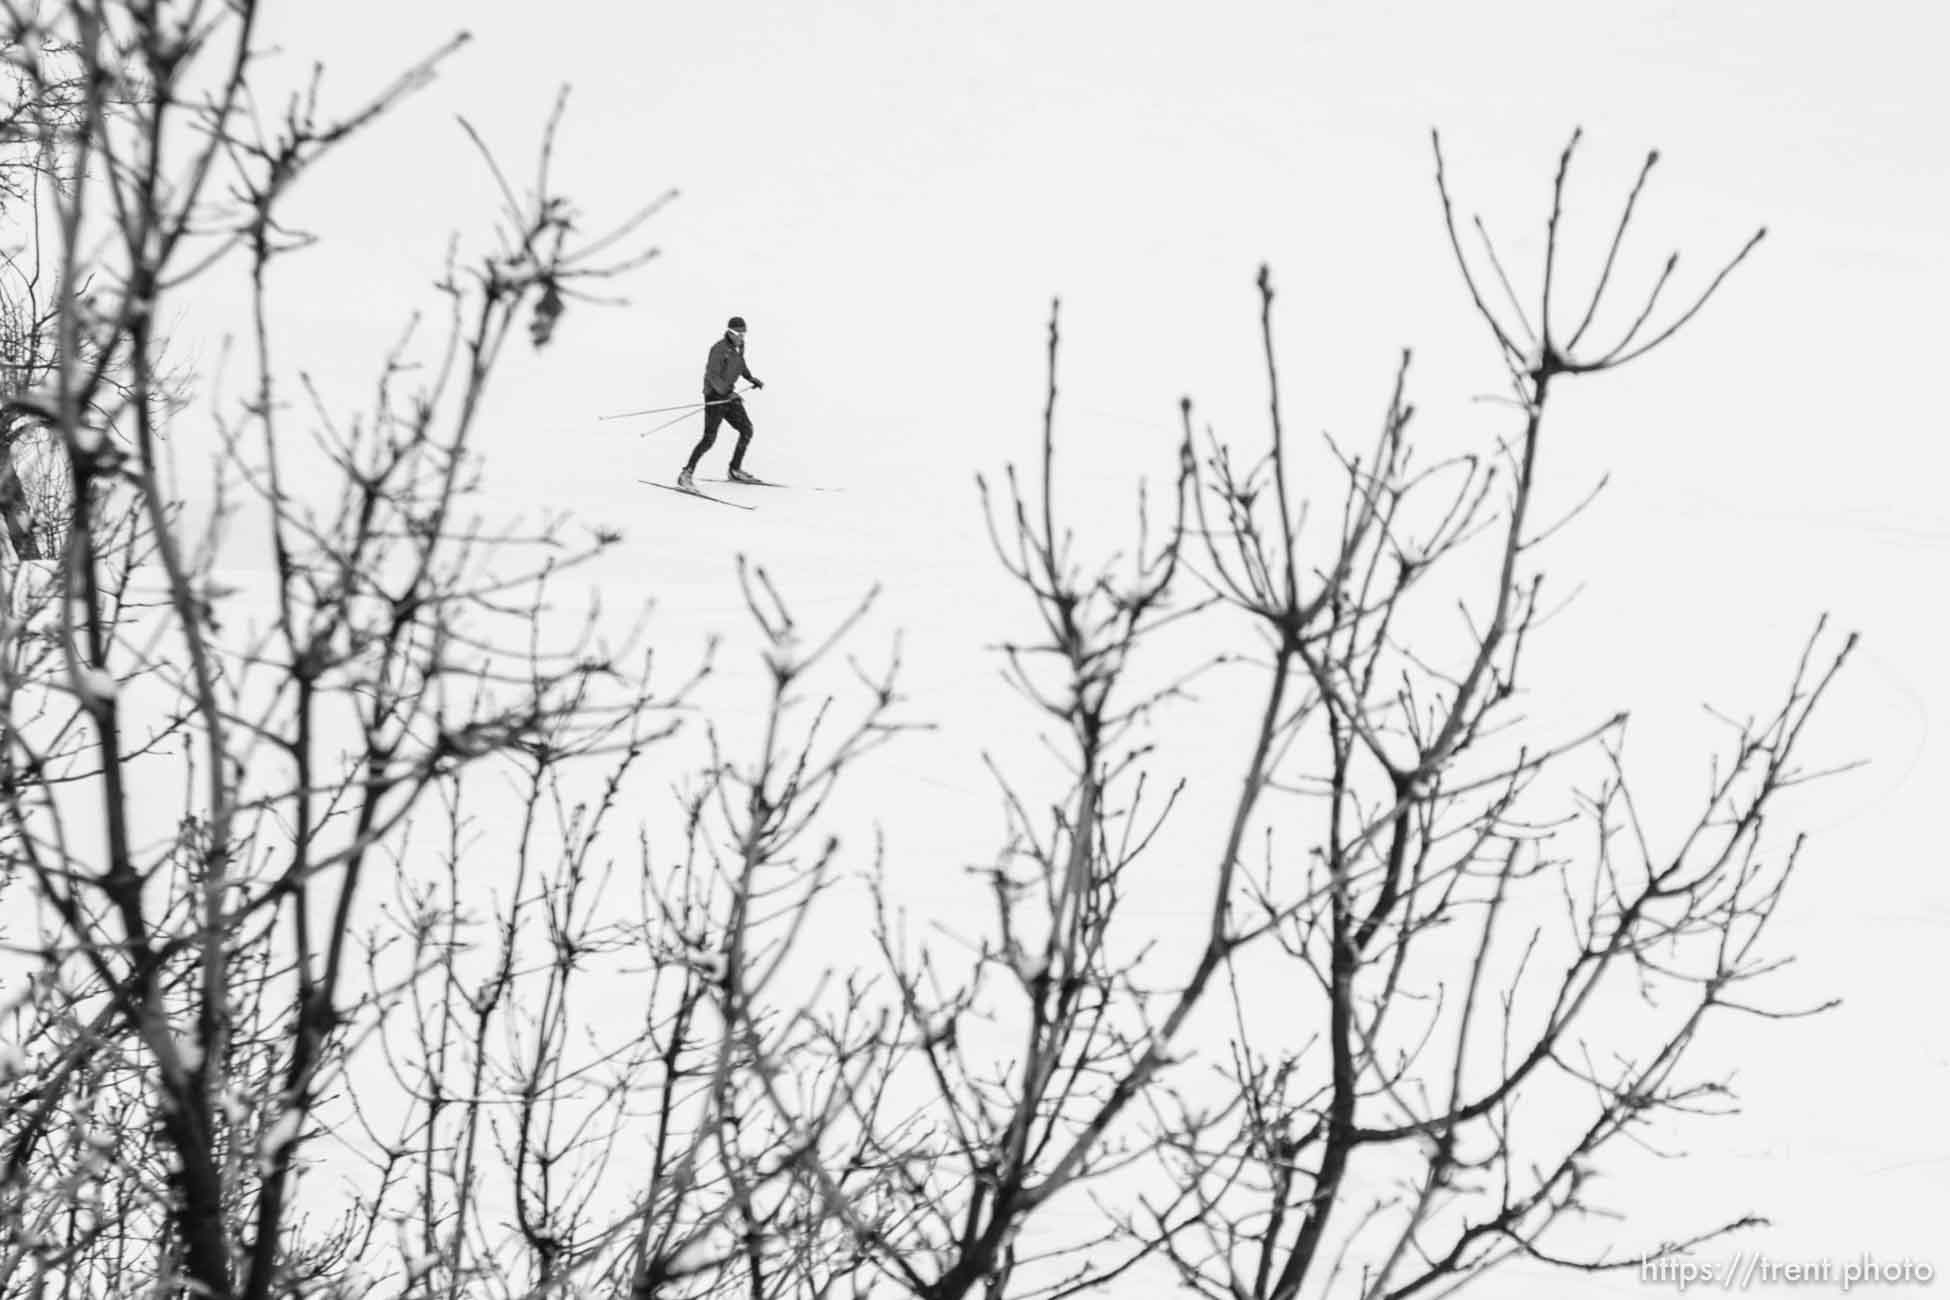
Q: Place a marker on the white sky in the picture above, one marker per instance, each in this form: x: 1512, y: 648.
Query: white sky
x: 891, y: 194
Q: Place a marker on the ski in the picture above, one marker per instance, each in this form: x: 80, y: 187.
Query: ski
x: 693, y: 492
x: 764, y: 482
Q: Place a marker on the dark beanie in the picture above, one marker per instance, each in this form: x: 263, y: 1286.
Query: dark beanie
x: 735, y: 323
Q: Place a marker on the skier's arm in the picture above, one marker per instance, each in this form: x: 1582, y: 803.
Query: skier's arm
x: 746, y: 371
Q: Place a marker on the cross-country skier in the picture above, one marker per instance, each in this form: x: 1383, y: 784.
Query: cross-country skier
x: 722, y: 371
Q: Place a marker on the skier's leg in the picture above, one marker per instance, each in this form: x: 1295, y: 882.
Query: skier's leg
x: 712, y: 415
x: 734, y: 414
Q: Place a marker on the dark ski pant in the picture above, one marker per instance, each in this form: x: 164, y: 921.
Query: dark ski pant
x: 730, y: 412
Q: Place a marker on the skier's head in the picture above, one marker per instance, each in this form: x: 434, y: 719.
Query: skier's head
x: 736, y: 326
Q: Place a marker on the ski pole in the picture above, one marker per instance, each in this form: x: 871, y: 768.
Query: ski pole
x: 684, y: 415
x: 659, y: 410
x: 655, y: 410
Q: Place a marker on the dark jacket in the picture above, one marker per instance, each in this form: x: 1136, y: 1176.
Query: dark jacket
x: 725, y: 367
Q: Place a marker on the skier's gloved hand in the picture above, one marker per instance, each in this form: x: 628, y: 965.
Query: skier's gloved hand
x: 758, y: 383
